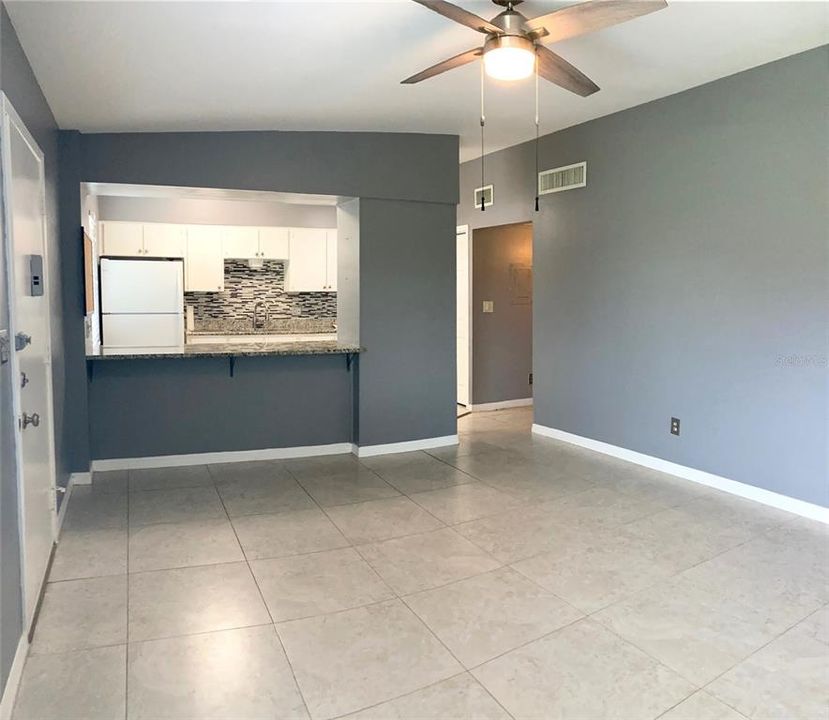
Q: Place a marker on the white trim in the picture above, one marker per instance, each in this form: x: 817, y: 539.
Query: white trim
x: 13, y: 680
x: 464, y: 230
x: 483, y: 190
x: 502, y: 405
x: 75, y: 479
x: 80, y: 478
x: 408, y: 446
x: 750, y: 492
x: 219, y: 457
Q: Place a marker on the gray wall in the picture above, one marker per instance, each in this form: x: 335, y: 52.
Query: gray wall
x: 690, y: 278
x: 407, y: 380
x: 216, y: 212
x: 502, y: 341
x: 407, y: 237
x: 18, y: 82
x: 166, y: 407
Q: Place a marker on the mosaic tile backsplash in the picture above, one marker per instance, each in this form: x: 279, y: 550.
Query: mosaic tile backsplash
x: 244, y: 287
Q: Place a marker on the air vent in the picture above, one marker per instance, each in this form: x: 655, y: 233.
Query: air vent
x: 488, y: 193
x: 562, y: 178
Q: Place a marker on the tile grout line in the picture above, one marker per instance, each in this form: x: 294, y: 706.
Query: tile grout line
x: 262, y: 598
x: 127, y: 648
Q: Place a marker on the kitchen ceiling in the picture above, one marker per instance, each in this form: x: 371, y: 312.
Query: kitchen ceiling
x: 306, y: 65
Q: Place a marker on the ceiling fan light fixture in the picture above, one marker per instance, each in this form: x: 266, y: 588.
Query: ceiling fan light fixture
x: 509, y: 57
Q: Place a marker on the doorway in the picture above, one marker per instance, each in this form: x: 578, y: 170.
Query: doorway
x: 501, y: 317
x: 30, y: 353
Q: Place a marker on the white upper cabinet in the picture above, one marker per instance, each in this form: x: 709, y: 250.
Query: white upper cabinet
x: 274, y: 243
x: 306, y: 266
x: 122, y: 238
x: 268, y: 243
x: 134, y: 239
x: 204, y: 265
x: 240, y: 242
x: 331, y: 260
x: 312, y: 266
x: 162, y: 240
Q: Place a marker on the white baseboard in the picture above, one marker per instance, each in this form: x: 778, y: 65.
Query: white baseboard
x: 409, y: 446
x: 750, y: 492
x: 502, y: 405
x: 81, y: 478
x: 157, y: 461
x: 13, y: 680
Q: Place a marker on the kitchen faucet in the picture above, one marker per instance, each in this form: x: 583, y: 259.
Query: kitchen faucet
x: 259, y: 321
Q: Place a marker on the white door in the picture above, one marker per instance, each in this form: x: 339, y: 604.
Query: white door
x: 122, y: 239
x: 240, y: 242
x: 274, y: 243
x: 308, y: 257
x: 141, y: 286
x: 162, y: 240
x: 205, y: 265
x: 463, y: 303
x: 24, y: 196
x: 143, y: 331
x: 331, y: 260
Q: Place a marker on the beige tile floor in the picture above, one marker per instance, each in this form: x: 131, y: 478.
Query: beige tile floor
x: 509, y: 577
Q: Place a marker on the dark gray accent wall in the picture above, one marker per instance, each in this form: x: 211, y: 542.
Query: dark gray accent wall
x: 20, y: 85
x: 167, y: 407
x: 690, y: 278
x: 407, y: 240
x: 502, y: 341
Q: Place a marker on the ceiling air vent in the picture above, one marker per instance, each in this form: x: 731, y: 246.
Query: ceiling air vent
x: 562, y: 178
x: 488, y: 194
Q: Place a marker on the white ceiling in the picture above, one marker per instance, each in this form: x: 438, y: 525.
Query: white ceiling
x: 307, y: 65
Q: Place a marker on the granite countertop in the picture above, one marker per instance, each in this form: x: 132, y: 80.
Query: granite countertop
x: 217, y: 350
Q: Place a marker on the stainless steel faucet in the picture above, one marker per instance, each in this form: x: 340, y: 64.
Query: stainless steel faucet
x: 259, y: 320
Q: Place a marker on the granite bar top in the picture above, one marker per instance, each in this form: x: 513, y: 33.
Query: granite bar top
x: 218, y: 350
x: 244, y: 326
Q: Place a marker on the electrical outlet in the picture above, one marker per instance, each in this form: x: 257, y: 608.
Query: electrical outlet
x: 530, y: 378
x: 489, y: 306
x: 674, y: 426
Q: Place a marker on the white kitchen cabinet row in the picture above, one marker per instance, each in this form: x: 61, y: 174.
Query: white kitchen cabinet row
x: 310, y: 254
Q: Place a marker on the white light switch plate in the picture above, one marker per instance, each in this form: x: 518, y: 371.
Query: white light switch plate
x: 489, y: 306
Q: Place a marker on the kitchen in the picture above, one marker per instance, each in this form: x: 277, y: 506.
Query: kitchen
x: 188, y: 271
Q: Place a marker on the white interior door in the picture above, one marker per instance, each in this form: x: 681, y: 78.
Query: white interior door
x: 24, y: 196
x: 463, y: 302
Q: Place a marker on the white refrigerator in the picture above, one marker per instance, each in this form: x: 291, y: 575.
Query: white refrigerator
x: 142, y: 303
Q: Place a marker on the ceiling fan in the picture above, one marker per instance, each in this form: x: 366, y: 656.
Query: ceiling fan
x: 513, y: 42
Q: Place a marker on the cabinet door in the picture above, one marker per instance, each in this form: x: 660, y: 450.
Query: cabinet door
x: 204, y: 264
x: 122, y: 239
x: 274, y: 243
x: 240, y: 242
x: 331, y: 260
x: 163, y: 240
x: 306, y: 265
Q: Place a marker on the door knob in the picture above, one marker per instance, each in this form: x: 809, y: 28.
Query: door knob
x: 21, y: 340
x: 33, y: 420
x: 24, y: 379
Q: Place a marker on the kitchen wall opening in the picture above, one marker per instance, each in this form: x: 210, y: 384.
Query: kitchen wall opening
x: 169, y: 267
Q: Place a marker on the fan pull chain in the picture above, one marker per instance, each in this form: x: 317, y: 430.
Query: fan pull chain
x: 483, y: 123
x: 537, y: 124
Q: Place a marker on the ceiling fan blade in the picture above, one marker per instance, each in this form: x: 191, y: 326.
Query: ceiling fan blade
x: 557, y: 70
x: 441, y: 67
x: 459, y: 15
x: 589, y: 16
